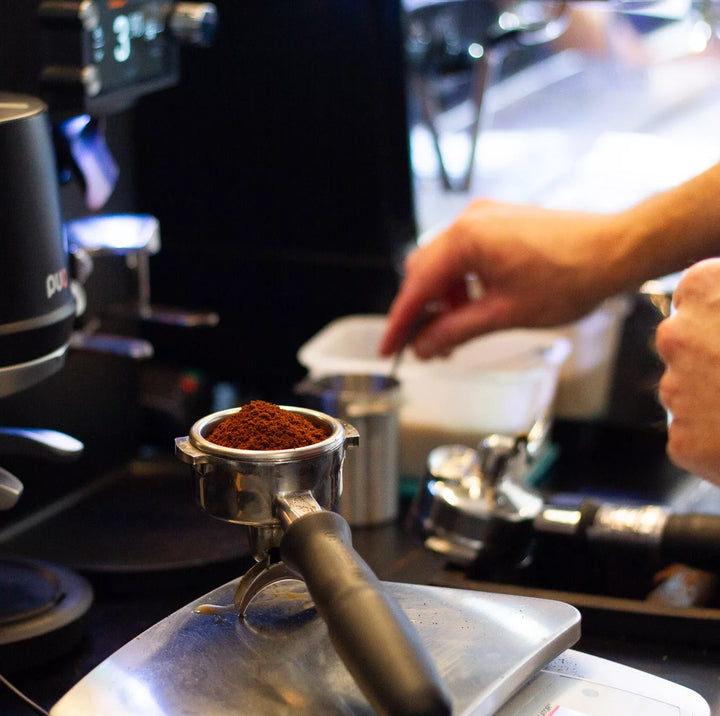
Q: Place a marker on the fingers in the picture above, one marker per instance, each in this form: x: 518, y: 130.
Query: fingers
x: 435, y: 276
x: 698, y: 283
x: 452, y: 328
x: 689, y: 344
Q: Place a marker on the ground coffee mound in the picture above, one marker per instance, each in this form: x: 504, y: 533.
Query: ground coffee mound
x: 264, y: 426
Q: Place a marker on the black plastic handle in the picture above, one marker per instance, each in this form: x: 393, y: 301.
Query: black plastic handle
x: 370, y: 632
x: 693, y: 539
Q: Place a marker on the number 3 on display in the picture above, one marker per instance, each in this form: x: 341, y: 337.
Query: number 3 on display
x: 121, y: 28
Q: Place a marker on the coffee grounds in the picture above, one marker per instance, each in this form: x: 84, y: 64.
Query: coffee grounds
x: 265, y: 426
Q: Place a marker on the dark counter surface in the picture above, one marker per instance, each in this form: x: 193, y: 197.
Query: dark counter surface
x: 115, y: 619
x: 125, y: 605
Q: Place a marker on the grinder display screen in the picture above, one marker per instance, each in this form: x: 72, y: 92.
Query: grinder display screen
x: 130, y: 44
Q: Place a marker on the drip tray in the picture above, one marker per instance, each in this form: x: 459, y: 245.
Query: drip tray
x: 138, y: 527
x: 607, y: 614
x: 42, y: 612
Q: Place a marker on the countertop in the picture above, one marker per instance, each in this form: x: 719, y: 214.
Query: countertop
x: 113, y: 621
x: 118, y: 614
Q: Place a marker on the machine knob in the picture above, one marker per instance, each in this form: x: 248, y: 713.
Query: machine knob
x: 194, y: 23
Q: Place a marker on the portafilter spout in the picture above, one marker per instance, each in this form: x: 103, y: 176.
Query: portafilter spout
x: 285, y: 497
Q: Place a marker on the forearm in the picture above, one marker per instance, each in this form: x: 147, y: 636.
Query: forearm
x: 540, y: 267
x: 670, y: 231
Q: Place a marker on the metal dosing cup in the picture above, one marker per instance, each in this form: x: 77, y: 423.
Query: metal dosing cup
x: 370, y: 493
x: 284, y: 496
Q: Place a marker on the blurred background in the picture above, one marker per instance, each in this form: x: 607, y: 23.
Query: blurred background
x: 233, y: 177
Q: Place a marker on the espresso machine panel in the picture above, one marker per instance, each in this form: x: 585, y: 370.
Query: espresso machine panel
x: 101, y: 56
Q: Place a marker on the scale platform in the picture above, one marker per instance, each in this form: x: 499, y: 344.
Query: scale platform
x: 203, y: 659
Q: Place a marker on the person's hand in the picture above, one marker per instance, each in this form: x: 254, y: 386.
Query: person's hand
x: 537, y: 267
x: 689, y: 343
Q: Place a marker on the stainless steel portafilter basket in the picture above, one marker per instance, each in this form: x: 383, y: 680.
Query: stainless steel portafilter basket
x: 286, y: 498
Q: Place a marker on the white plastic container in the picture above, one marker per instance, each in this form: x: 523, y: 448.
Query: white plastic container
x: 504, y: 382
x: 586, y: 377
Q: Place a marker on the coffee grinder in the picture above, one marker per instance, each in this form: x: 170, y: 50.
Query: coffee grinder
x: 41, y: 605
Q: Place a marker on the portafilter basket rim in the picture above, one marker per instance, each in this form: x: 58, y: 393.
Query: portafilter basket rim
x: 204, y: 426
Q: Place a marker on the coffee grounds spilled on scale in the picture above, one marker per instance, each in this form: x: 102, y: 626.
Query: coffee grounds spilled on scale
x: 265, y: 426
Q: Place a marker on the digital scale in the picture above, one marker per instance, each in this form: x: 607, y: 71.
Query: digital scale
x: 496, y: 653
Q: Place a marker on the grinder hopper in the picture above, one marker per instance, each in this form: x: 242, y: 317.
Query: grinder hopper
x: 285, y: 497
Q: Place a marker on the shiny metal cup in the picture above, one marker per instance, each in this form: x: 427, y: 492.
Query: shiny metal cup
x: 242, y: 486
x: 371, y: 474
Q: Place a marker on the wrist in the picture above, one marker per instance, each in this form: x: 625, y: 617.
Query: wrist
x: 669, y: 231
x: 625, y: 257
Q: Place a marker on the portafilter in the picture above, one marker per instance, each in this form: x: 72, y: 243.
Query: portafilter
x: 286, y: 498
x: 475, y: 506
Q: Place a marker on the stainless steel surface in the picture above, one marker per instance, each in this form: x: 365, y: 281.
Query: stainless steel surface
x: 35, y: 442
x: 125, y: 346
x: 10, y: 489
x: 629, y: 525
x: 370, y: 472
x: 295, y: 505
x: 470, y: 494
x: 15, y: 378
x: 135, y: 237
x: 496, y: 453
x: 201, y: 659
x: 289, y: 508
x: 455, y: 463
x: 256, y: 579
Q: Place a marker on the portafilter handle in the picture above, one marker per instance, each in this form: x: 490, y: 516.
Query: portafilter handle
x: 372, y: 635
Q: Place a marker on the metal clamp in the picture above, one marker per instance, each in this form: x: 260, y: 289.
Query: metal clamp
x: 258, y: 577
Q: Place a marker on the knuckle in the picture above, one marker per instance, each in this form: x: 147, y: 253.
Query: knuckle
x: 667, y: 389
x: 667, y: 339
